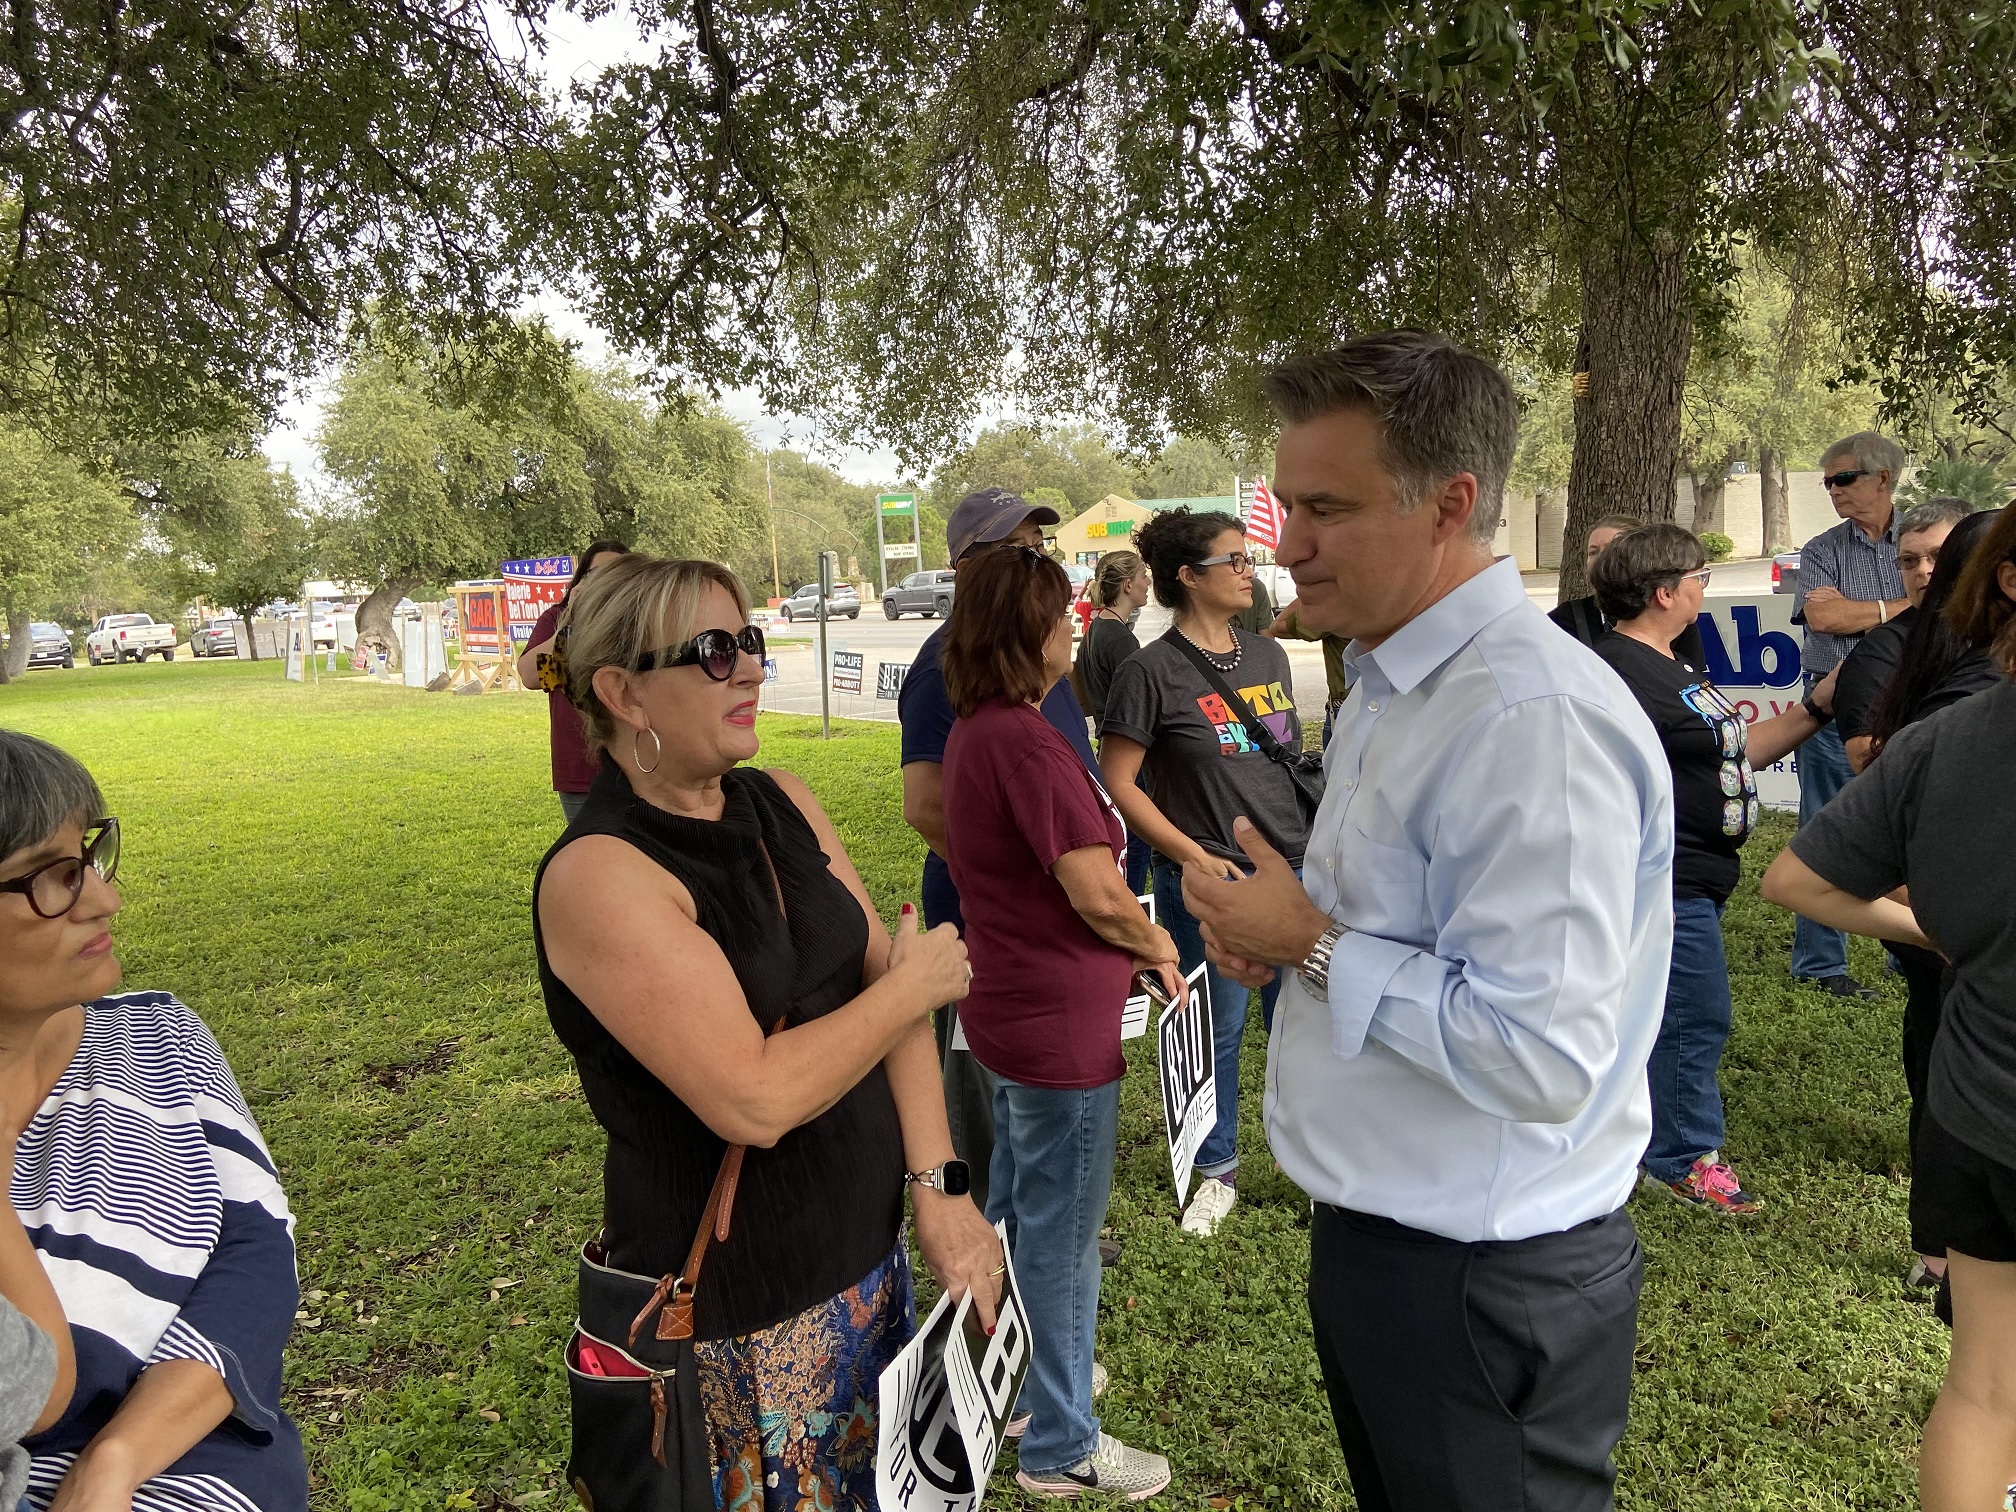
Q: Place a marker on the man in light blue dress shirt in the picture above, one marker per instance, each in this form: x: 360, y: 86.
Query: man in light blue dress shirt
x: 1476, y: 972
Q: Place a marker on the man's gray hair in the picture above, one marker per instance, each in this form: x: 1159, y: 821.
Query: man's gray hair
x: 1873, y: 453
x: 1940, y: 509
x: 42, y: 788
x: 1442, y: 410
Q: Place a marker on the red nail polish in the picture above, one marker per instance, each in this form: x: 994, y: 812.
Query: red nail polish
x: 990, y: 1333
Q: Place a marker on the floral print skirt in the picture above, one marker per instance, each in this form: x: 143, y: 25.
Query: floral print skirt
x: 792, y: 1410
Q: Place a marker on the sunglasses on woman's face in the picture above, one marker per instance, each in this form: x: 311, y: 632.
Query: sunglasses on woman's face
x: 53, y: 890
x: 712, y: 651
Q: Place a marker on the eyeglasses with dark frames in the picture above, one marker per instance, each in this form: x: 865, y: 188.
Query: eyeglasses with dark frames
x: 53, y: 890
x: 712, y: 651
x: 1238, y: 561
x: 1843, y: 479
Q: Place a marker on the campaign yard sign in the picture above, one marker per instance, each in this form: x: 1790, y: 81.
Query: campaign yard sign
x: 889, y: 678
x: 1185, y: 1053
x: 945, y: 1401
x: 1752, y: 650
x: 531, y: 587
x: 1134, y: 1012
x: 847, y: 669
x: 480, y: 631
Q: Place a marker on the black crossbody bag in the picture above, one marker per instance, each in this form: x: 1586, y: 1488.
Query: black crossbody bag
x: 1304, y: 768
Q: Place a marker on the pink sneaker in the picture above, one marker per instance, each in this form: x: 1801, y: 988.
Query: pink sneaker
x: 1710, y: 1184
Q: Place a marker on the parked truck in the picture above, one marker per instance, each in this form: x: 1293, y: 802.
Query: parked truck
x: 129, y: 637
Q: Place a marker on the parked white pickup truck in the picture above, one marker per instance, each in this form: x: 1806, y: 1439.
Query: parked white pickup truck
x: 129, y: 637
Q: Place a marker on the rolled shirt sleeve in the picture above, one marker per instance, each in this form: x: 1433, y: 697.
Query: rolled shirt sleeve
x: 1529, y: 888
x: 1858, y: 841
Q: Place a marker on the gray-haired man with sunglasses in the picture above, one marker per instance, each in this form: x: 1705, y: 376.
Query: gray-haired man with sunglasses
x: 1848, y: 585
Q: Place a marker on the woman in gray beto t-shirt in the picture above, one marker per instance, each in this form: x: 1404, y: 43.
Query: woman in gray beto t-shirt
x: 37, y: 1367
x: 1165, y: 719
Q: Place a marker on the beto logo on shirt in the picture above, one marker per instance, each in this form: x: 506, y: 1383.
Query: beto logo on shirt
x: 1270, y: 704
x: 1740, y: 808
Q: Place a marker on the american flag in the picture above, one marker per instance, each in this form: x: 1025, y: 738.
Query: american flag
x: 1263, y: 520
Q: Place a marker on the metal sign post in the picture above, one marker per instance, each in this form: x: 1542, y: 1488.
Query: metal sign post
x: 895, y: 506
x: 828, y: 561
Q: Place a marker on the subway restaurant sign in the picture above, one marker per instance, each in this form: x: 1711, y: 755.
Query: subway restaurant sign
x: 1110, y: 528
x: 897, y: 503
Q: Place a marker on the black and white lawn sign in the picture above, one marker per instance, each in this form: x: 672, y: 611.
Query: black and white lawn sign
x: 889, y: 678
x: 847, y: 671
x: 1134, y: 1013
x: 945, y: 1401
x: 1185, y: 1055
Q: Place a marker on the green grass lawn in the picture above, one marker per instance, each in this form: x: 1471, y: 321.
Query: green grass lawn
x: 338, y: 879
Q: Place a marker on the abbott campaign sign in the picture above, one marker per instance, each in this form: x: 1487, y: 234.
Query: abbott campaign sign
x: 1752, y: 649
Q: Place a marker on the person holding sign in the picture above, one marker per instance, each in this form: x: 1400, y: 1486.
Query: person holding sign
x: 1476, y: 969
x: 1036, y: 850
x: 1197, y: 728
x: 710, y: 958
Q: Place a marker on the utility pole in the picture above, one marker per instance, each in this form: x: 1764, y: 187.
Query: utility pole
x: 776, y: 580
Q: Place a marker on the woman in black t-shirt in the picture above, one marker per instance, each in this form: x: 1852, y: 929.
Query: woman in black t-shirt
x: 1204, y: 770
x: 1935, y: 814
x: 1119, y: 591
x: 1650, y: 583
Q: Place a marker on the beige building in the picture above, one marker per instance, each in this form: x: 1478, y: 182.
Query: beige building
x: 1530, y: 530
x: 1110, y: 524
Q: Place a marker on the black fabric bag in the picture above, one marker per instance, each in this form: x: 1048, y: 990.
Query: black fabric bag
x: 639, y: 1442
x: 1305, y: 768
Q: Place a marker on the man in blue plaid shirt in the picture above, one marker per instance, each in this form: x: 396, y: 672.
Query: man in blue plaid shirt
x: 1848, y: 585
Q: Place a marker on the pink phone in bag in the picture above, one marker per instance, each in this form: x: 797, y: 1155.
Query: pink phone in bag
x: 591, y: 1358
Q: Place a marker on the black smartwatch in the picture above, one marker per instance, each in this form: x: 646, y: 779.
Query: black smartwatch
x: 953, y: 1178
x: 1820, y: 715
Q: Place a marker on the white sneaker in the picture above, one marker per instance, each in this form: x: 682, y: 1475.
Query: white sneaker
x: 1112, y: 1469
x: 1019, y: 1424
x: 1210, y: 1203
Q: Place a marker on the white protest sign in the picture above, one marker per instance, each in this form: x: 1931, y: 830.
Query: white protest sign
x: 944, y: 1402
x: 1752, y: 650
x: 1134, y: 1013
x: 847, y: 666
x: 920, y: 1464
x: 986, y: 1371
x: 1186, y: 1056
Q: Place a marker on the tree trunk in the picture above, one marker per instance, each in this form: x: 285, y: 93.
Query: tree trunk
x: 1636, y: 337
x: 1774, y: 486
x: 374, y: 617
x: 14, y: 662
x: 1711, y: 490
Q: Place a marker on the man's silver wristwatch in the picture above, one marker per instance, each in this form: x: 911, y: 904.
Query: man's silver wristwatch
x: 1315, y: 967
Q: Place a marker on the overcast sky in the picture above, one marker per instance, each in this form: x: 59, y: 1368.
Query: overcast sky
x: 583, y: 49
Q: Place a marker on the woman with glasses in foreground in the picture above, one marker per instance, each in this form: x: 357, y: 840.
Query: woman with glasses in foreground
x: 1649, y: 584
x: 711, y: 959
x: 142, y: 1181
x: 1183, y: 766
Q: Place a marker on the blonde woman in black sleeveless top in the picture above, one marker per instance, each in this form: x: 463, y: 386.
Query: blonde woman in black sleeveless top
x: 691, y: 906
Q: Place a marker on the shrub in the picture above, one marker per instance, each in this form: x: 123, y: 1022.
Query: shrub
x: 1717, y: 545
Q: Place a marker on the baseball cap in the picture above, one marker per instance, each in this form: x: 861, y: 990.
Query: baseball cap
x: 989, y: 514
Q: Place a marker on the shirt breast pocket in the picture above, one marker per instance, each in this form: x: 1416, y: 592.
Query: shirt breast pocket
x: 1383, y: 889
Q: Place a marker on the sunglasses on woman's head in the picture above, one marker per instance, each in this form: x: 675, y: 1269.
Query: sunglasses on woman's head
x: 712, y: 651
x: 53, y: 890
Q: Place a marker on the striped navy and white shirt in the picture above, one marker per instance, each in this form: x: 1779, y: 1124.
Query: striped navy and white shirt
x: 147, y: 1190
x: 1844, y: 559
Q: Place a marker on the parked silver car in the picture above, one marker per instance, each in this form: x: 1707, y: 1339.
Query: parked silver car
x: 845, y: 603
x: 925, y: 593
x: 1785, y: 572
x: 218, y: 637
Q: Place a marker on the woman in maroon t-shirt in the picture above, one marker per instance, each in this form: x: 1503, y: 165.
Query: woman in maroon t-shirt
x: 573, y: 767
x: 1054, y: 936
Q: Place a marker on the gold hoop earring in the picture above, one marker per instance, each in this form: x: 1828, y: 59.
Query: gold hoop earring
x: 657, y: 750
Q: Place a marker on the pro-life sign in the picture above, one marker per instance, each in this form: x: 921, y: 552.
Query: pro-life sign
x: 945, y: 1402
x: 1185, y: 1052
x: 847, y: 669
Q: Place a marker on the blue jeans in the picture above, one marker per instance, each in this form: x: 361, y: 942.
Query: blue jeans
x: 1818, y: 951
x: 1139, y: 854
x: 1051, y: 1177
x: 1219, y: 1154
x: 1686, y: 1102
